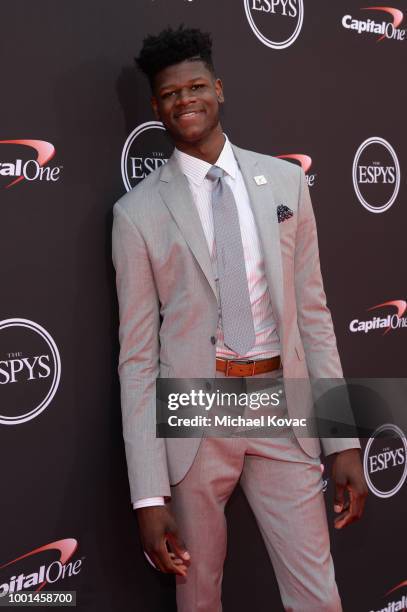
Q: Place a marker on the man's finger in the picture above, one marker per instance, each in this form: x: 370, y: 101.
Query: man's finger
x: 160, y: 567
x: 170, y: 566
x: 176, y: 559
x: 160, y: 558
x: 155, y: 558
x: 178, y: 546
x: 346, y: 518
x: 339, y: 500
x: 355, y: 511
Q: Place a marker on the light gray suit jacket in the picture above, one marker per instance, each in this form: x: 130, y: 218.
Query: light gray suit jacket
x: 169, y: 311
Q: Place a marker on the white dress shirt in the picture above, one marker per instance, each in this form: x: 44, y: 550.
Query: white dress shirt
x: 267, y: 341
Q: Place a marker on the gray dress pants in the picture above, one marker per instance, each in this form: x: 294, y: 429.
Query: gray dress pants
x: 283, y: 486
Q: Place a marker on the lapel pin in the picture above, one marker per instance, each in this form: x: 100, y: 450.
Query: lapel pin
x: 260, y: 180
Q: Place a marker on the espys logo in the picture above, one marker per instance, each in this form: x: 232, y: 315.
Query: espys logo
x: 376, y: 174
x: 276, y: 23
x: 146, y: 149
x: 305, y: 162
x: 23, y: 167
x: 385, y: 29
x: 30, y: 370
x: 384, y: 460
x: 46, y: 573
x: 392, y: 321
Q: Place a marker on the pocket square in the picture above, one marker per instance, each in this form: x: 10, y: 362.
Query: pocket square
x: 283, y: 213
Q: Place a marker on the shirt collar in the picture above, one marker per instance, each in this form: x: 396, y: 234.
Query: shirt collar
x: 196, y: 169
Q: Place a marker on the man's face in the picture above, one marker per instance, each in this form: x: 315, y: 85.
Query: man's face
x: 186, y: 99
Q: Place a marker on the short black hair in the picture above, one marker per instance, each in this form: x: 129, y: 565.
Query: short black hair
x: 172, y: 47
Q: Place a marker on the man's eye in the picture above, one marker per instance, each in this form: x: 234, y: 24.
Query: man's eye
x: 196, y: 86
x: 167, y: 94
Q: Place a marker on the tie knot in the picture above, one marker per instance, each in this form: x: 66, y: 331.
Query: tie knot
x: 214, y: 173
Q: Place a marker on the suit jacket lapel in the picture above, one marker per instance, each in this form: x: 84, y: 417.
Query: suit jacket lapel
x: 265, y: 213
x: 177, y: 196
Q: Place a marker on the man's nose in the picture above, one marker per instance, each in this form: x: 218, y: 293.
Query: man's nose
x: 185, y: 96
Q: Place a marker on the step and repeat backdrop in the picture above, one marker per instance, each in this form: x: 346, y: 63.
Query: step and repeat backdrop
x: 318, y: 83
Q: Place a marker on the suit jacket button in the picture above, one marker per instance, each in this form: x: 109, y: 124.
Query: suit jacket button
x: 208, y: 386
x: 213, y: 339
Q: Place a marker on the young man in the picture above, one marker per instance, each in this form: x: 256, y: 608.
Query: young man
x: 185, y: 314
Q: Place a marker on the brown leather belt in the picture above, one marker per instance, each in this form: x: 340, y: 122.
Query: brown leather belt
x: 246, y: 367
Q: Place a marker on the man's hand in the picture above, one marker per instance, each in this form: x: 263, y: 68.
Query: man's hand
x: 161, y: 541
x: 347, y: 474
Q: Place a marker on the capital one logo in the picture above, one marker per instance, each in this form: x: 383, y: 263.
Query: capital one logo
x: 376, y: 174
x: 42, y: 572
x: 305, y: 162
x: 30, y: 370
x: 383, y: 29
x: 146, y: 149
x: 276, y: 23
x: 27, y: 159
x: 384, y: 460
x: 396, y: 604
x: 395, y: 320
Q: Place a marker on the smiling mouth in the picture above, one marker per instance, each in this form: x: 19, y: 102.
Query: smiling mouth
x: 188, y: 114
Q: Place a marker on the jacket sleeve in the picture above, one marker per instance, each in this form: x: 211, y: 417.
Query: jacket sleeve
x: 139, y: 359
x: 314, y: 318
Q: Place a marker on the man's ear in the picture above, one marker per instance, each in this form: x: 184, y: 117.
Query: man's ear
x: 219, y: 91
x: 154, y: 106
